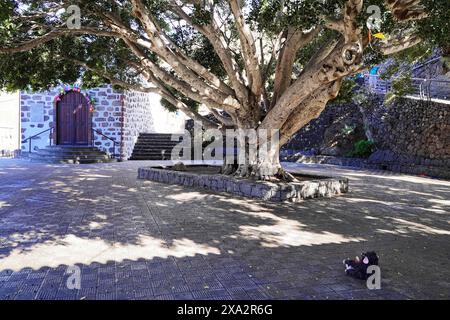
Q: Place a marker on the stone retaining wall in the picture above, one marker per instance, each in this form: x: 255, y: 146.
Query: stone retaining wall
x: 412, y: 128
x: 411, y: 136
x: 326, y: 135
x: 317, y: 187
x: 407, y: 168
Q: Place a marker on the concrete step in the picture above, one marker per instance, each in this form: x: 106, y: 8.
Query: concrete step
x: 153, y: 146
x: 37, y: 155
x: 77, y: 148
x: 147, y: 158
x: 73, y: 161
x: 157, y: 155
x: 153, y: 151
x: 44, y: 152
x: 158, y: 142
x: 144, y: 150
x: 166, y: 137
x: 156, y: 135
x: 70, y: 154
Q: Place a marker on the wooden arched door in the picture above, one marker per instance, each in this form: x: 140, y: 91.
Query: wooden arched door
x: 73, y: 120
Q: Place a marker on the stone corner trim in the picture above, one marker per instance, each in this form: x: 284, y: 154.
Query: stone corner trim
x: 317, y: 187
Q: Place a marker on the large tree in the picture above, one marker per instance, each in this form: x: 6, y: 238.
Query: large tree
x: 260, y: 64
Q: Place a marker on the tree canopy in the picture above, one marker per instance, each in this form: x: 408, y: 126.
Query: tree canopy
x: 268, y: 64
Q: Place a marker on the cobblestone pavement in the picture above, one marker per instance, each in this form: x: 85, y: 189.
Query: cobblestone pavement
x: 135, y: 239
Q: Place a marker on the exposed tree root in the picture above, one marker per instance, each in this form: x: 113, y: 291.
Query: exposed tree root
x: 283, y: 175
x: 262, y: 172
x: 229, y: 169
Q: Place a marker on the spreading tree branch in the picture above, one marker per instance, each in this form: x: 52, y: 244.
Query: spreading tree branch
x: 396, y: 45
x: 406, y: 10
x: 345, y: 58
x: 249, y: 52
x: 159, y: 47
x: 212, y: 32
x: 308, y: 109
x: 295, y: 40
x: 171, y: 80
x: 28, y: 45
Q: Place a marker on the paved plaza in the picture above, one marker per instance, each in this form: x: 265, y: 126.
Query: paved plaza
x: 134, y: 239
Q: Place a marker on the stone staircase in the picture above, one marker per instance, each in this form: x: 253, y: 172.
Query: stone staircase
x: 153, y: 146
x: 70, y: 155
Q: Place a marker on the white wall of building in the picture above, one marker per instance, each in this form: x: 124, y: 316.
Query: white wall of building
x: 9, y: 122
x: 163, y: 120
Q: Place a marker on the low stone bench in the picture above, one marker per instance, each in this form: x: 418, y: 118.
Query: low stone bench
x: 317, y: 187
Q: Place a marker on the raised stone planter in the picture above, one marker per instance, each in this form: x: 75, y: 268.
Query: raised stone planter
x: 317, y: 187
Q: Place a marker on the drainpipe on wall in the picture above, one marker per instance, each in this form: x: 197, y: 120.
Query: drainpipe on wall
x: 122, y: 126
x: 18, y: 152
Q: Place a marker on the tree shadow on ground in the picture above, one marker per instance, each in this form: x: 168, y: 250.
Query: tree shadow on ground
x: 140, y: 239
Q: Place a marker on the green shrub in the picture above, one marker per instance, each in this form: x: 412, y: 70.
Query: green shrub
x: 346, y: 92
x: 400, y: 86
x: 362, y: 149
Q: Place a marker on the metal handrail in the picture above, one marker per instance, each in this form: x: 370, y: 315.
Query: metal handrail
x: 109, y: 138
x: 30, y: 139
x: 422, y: 86
x: 426, y: 63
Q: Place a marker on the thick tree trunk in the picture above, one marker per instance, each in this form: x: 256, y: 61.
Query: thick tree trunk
x: 268, y: 170
x: 257, y: 160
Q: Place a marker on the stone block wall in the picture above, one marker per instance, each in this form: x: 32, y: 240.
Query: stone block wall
x: 137, y: 119
x: 312, y: 187
x: 410, y: 133
x: 37, y: 115
x: 327, y: 134
x: 411, y: 136
x: 143, y: 113
x: 107, y: 117
x: 121, y: 116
